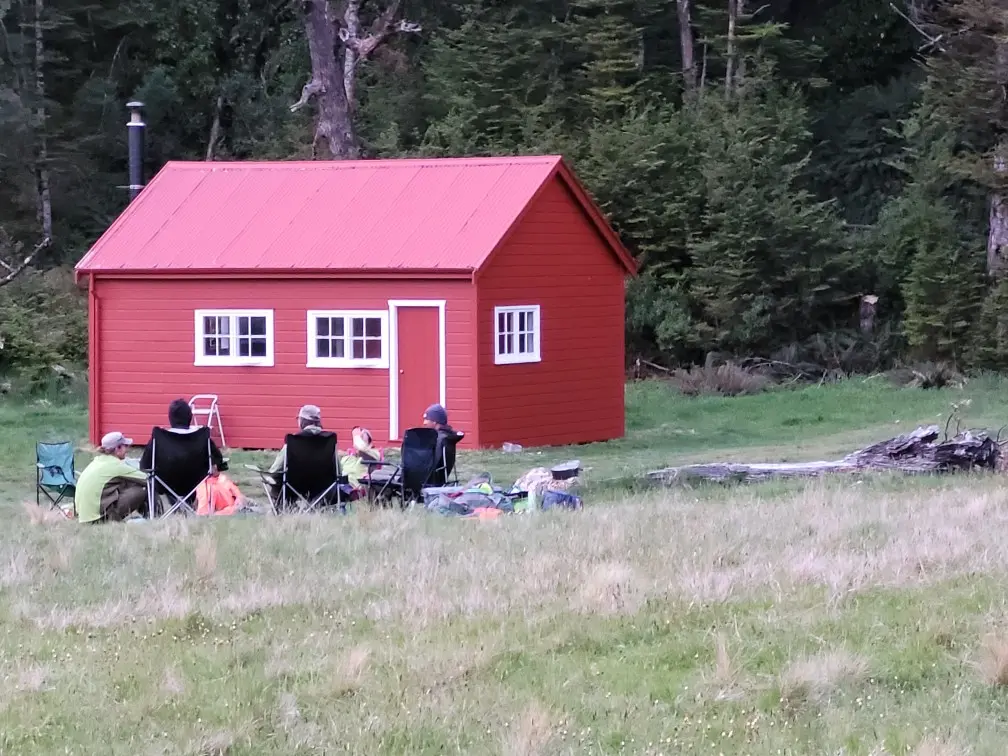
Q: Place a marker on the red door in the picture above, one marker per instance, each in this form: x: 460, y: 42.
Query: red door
x: 419, y: 359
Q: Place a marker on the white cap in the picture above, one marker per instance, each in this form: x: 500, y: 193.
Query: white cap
x: 112, y: 440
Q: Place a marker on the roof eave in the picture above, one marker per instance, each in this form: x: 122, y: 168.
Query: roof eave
x: 274, y: 273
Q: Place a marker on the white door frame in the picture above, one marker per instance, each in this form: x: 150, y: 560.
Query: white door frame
x: 394, y: 305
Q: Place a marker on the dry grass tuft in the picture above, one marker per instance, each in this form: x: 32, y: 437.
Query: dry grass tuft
x: 993, y: 661
x: 38, y: 515
x: 531, y: 735
x: 32, y: 678
x: 933, y: 745
x: 611, y: 588
x: 299, y: 733
x: 813, y: 678
x: 17, y: 571
x: 58, y: 558
x: 726, y: 677
x: 205, y: 557
x: 218, y: 744
x: 724, y: 380
x: 171, y: 682
x: 348, y: 677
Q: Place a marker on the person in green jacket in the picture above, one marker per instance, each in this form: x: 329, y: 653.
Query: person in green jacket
x: 109, y: 488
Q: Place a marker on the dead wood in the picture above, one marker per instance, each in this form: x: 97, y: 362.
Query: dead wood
x: 11, y: 262
x: 917, y: 452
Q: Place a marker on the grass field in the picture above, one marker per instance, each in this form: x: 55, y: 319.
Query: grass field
x: 854, y: 616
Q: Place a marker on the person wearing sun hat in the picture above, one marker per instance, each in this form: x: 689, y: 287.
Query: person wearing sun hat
x: 109, y: 488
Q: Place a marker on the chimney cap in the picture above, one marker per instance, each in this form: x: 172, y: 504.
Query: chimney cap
x: 134, y: 105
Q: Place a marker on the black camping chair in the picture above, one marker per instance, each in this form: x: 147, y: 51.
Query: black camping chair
x: 55, y: 476
x: 311, y: 474
x: 179, y: 464
x: 418, y: 461
x: 445, y: 453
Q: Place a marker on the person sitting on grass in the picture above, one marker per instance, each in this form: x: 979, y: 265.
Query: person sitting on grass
x: 353, y: 466
x: 110, y: 489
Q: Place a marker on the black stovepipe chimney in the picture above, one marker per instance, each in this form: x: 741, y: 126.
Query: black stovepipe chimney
x: 136, y: 128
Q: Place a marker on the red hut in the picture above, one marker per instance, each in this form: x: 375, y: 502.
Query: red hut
x: 494, y: 286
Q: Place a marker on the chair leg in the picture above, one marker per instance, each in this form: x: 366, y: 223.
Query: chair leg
x: 220, y: 427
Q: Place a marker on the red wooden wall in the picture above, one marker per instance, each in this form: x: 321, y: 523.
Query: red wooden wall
x: 143, y: 357
x: 556, y: 259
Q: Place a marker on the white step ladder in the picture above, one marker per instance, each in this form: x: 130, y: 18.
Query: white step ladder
x: 205, y: 406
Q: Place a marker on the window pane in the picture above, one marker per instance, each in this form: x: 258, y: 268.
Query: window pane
x: 321, y: 326
x: 357, y: 325
x: 530, y: 343
x: 337, y: 326
x: 509, y: 344
x: 521, y: 321
x: 243, y: 347
x: 509, y: 322
x: 500, y: 344
x: 209, y: 326
x: 243, y: 326
x: 223, y: 346
x: 210, y: 347
x: 373, y: 327
x: 372, y: 349
x: 258, y: 326
x: 358, y: 349
x: 322, y: 348
x: 338, y: 348
x: 500, y: 322
x: 258, y: 347
x: 521, y: 343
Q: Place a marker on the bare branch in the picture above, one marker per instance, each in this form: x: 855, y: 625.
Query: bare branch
x: 931, y: 41
x: 15, y: 268
x: 311, y: 89
x: 383, y: 27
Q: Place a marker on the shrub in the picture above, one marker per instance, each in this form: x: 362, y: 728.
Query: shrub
x: 43, y: 327
x: 727, y: 379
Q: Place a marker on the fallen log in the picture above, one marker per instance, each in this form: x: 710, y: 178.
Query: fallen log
x: 916, y: 452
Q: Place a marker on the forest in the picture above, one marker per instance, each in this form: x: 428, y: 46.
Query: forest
x: 805, y: 182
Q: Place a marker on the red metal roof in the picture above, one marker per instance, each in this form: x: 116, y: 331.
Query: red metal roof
x: 326, y: 216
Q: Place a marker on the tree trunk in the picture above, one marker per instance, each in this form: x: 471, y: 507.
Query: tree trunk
x: 333, y: 122
x: 215, y: 128
x: 917, y: 452
x: 997, y: 228
x: 730, y: 56
x: 869, y: 303
x: 337, y: 45
x: 41, y: 142
x: 686, y: 44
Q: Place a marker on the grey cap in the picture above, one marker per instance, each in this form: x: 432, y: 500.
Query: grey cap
x: 311, y: 413
x: 436, y: 414
x: 111, y: 441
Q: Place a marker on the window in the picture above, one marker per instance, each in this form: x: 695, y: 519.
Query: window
x: 518, y: 334
x: 348, y: 338
x: 234, y: 337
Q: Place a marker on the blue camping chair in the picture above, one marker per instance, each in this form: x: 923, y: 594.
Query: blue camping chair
x: 54, y: 472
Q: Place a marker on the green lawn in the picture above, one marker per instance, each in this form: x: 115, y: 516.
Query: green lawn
x: 845, y: 616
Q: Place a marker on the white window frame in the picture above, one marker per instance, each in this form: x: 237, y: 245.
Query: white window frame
x: 314, y: 361
x: 232, y: 360
x: 518, y: 358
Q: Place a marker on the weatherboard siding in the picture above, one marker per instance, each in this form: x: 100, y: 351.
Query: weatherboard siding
x: 555, y: 259
x: 145, y: 355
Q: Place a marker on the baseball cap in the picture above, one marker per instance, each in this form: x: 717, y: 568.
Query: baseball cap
x: 311, y: 413
x: 111, y: 440
x: 436, y: 414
